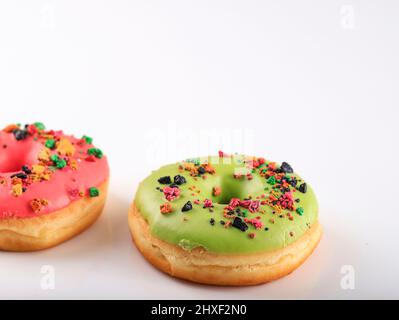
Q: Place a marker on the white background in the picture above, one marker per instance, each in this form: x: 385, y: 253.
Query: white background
x: 309, y: 82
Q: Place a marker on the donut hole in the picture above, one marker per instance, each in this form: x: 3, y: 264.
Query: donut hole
x: 232, y: 188
x: 14, y: 156
x: 237, y: 188
x: 225, y: 197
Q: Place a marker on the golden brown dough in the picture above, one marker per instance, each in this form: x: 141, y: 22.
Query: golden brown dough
x: 201, y: 266
x: 29, y: 234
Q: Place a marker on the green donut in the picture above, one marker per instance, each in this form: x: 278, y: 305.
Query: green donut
x: 272, y: 206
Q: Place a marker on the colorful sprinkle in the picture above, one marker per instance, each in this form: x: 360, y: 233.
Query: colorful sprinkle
x: 300, y: 211
x: 38, y: 204
x: 165, y: 180
x: 166, y: 208
x: 187, y: 206
x: 50, y: 143
x: 95, y: 152
x: 94, y: 192
x: 171, y: 193
x: 87, y: 139
x: 208, y: 203
x: 40, y: 126
x: 216, y: 191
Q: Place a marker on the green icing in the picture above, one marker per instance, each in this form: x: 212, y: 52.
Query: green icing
x: 193, y: 229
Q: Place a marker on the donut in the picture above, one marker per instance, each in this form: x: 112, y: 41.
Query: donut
x: 52, y: 186
x: 229, y: 220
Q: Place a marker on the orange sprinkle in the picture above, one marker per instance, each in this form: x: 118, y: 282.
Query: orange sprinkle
x: 38, y: 204
x: 166, y: 208
x: 217, y: 191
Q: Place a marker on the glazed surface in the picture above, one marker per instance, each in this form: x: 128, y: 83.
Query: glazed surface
x: 59, y: 169
x: 270, y: 224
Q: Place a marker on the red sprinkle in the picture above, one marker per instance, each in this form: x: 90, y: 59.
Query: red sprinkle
x: 258, y: 224
x: 208, y: 203
x: 171, y: 193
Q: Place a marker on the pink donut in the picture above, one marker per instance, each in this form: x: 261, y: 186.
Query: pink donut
x: 52, y: 186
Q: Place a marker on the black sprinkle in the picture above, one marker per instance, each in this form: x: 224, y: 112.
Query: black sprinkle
x: 165, y: 180
x: 266, y: 229
x: 239, y: 224
x: 293, y: 182
x: 187, y: 207
x: 303, y: 188
x: 230, y: 213
x: 222, y: 222
x: 20, y: 175
x: 284, y: 190
x: 20, y: 134
x: 297, y: 200
x: 26, y: 170
x: 179, y: 179
x: 286, y: 168
x: 201, y: 170
x: 212, y: 221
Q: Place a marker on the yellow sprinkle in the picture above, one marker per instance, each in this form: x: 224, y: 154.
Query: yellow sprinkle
x: 44, y: 155
x: 46, y: 176
x: 17, y: 190
x: 65, y: 147
x: 73, y: 164
x: 38, y: 169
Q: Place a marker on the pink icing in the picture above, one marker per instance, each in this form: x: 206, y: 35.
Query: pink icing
x: 60, y: 191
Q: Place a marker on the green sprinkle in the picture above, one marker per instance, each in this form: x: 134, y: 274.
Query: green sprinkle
x: 300, y: 211
x: 54, y: 158
x: 88, y: 140
x: 94, y: 192
x: 58, y: 162
x: 271, y: 180
x: 50, y: 143
x: 61, y: 163
x: 195, y: 161
x: 40, y: 126
x: 95, y: 152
